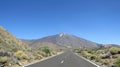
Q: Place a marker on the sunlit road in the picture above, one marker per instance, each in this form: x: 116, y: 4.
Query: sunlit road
x: 66, y: 59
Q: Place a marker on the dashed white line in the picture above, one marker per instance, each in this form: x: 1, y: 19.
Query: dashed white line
x: 62, y: 61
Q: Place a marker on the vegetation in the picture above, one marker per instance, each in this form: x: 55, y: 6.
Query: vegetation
x: 114, y: 50
x: 104, y: 56
x: 3, y: 59
x: 45, y: 51
x: 20, y: 55
x: 14, y: 52
x: 117, y: 63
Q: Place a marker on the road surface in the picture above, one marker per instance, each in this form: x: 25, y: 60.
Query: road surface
x: 66, y: 59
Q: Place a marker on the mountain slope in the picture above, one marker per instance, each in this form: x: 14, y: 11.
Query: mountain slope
x: 64, y: 40
x: 15, y: 53
x: 8, y: 42
x: 12, y: 50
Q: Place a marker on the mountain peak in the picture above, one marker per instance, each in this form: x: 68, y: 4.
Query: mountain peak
x: 62, y: 34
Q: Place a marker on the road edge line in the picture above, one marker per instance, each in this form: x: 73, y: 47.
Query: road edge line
x: 87, y: 60
x: 42, y: 59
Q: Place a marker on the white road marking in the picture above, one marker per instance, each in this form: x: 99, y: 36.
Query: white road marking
x: 62, y: 61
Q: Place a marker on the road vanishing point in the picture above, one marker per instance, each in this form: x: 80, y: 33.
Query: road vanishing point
x: 66, y: 59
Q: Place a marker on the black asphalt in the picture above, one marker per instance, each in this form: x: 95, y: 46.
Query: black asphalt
x: 66, y: 59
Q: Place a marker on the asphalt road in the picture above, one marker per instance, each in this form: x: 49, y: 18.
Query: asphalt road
x: 66, y: 59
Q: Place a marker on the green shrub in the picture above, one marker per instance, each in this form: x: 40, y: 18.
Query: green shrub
x: 20, y: 55
x: 14, y: 49
x: 114, y: 50
x: 117, y: 63
x: 45, y: 51
x: 3, y: 59
x: 86, y: 54
x: 95, y: 49
x: 77, y: 51
x: 38, y: 57
x: 106, y: 62
x: 115, y: 56
x: 93, y: 57
x: 98, y: 59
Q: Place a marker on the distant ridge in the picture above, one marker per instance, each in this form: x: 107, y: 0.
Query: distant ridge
x: 62, y: 40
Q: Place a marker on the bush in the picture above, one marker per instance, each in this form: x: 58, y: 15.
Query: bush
x: 114, y: 50
x: 117, y: 63
x: 38, y: 57
x: 93, y: 57
x: 3, y: 59
x: 45, y: 51
x: 77, y: 51
x: 115, y: 56
x: 87, y: 55
x: 106, y: 62
x: 20, y: 55
x: 98, y: 59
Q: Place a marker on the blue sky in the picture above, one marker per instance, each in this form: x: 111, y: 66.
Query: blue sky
x: 95, y: 20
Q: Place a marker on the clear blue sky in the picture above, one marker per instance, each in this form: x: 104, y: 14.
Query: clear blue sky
x: 95, y: 20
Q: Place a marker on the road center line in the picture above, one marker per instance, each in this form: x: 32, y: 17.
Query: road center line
x: 62, y: 61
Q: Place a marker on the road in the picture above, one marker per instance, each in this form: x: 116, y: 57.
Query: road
x: 66, y: 59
